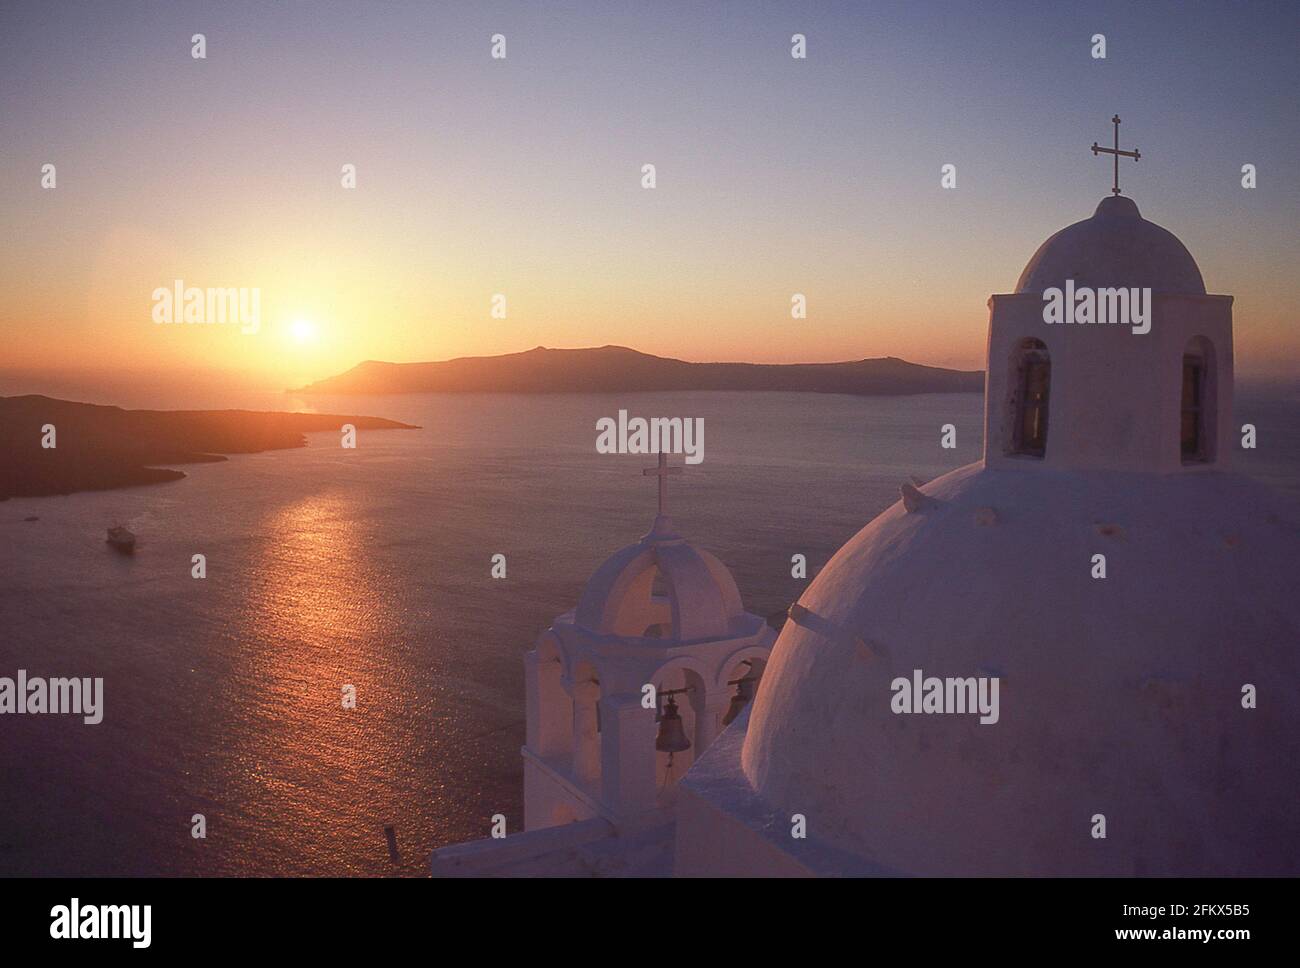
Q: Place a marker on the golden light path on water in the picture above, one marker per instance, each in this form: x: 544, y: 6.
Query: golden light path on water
x: 307, y: 775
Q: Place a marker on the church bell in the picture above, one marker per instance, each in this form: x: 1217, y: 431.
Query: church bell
x: 672, y: 734
x: 744, y: 694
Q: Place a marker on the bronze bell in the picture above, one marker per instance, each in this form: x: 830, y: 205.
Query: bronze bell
x: 744, y: 693
x: 672, y: 734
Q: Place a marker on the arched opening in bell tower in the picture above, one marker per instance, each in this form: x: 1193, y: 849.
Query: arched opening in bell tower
x: 1030, y: 384
x: 1198, y: 404
x: 587, y: 738
x: 660, y: 608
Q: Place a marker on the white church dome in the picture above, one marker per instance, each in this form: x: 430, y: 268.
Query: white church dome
x: 1119, y: 697
x: 664, y: 587
x: 1117, y: 247
x: 1155, y: 697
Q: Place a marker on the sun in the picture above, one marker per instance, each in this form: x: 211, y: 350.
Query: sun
x: 303, y: 331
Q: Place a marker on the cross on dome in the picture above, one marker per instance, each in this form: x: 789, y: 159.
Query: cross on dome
x: 1134, y: 154
x: 662, y: 471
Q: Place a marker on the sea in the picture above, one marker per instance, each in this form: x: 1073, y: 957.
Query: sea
x: 372, y: 568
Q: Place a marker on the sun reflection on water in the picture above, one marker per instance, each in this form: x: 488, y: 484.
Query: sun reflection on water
x: 301, y: 770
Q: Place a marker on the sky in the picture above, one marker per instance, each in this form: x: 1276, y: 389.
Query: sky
x: 523, y: 176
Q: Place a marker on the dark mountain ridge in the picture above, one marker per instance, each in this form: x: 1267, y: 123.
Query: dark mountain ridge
x: 99, y: 448
x: 617, y: 369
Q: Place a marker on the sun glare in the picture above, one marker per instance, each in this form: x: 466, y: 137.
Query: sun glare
x: 303, y: 331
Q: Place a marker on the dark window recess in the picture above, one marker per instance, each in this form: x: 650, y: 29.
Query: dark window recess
x: 1031, y: 418
x: 1193, y: 415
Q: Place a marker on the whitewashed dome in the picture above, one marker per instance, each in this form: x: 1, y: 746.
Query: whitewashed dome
x: 1117, y: 247
x: 1119, y: 697
x: 662, y: 587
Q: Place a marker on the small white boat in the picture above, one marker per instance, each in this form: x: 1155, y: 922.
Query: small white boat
x: 121, y: 539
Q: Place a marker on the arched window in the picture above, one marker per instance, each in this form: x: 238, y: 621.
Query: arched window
x: 1031, y: 381
x: 1197, y: 410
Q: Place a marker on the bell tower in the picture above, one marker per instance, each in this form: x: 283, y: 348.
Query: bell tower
x: 628, y: 688
x: 1135, y: 374
x: 1103, y: 395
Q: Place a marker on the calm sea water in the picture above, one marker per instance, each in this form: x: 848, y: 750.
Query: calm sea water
x: 371, y: 567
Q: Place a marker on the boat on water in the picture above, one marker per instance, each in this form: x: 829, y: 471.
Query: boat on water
x: 121, y: 539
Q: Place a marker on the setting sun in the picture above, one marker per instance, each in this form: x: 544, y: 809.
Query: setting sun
x: 303, y: 331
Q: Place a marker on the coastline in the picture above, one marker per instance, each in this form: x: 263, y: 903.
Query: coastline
x: 59, y: 447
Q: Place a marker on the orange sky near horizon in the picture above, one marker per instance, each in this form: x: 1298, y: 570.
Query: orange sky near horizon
x: 695, y: 310
x: 523, y: 177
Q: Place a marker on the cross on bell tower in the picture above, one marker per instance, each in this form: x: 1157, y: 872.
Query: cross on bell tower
x: 662, y: 472
x: 1134, y: 154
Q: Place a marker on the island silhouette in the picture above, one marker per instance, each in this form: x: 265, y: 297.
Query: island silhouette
x: 98, y: 448
x: 618, y: 369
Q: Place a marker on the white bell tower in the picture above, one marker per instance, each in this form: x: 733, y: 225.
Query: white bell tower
x: 626, y: 690
x: 1094, y: 394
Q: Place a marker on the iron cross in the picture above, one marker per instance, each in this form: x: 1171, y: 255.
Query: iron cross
x: 662, y: 472
x: 1135, y: 155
